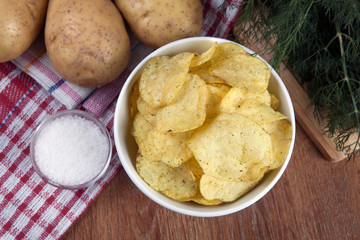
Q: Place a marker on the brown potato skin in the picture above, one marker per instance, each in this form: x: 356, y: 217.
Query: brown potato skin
x: 86, y: 41
x: 158, y: 22
x: 20, y: 23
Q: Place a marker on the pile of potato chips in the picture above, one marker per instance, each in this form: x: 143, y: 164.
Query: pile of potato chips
x: 206, y: 126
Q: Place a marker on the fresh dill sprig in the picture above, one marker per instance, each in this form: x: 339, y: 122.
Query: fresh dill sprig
x: 320, y: 42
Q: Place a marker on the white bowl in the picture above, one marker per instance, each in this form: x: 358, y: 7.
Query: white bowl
x: 127, y: 148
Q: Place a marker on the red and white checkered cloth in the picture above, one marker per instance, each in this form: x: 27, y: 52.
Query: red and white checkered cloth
x: 30, y: 90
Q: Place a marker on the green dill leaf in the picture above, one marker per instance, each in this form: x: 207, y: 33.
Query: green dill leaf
x: 320, y: 42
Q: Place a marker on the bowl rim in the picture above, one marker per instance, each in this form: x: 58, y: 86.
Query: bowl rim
x: 72, y: 112
x: 211, y: 211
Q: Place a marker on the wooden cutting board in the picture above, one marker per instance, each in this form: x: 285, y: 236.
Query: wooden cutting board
x: 304, y: 113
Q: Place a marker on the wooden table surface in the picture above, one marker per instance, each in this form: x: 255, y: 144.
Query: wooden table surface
x: 314, y: 199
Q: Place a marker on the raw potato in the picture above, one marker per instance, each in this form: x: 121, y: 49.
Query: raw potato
x: 87, y: 42
x: 21, y: 22
x: 158, y: 22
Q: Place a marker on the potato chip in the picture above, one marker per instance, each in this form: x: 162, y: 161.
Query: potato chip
x: 236, y: 96
x: 170, y: 148
x: 204, y: 57
x: 255, y: 172
x: 163, y: 78
x: 259, y: 113
x: 241, y: 70
x: 197, y: 171
x: 206, y: 76
x: 140, y: 131
x: 228, y: 48
x: 227, y: 191
x: 217, y: 51
x: 195, y: 168
x: 201, y: 200
x: 175, y: 182
x: 141, y: 128
x: 274, y: 102
x: 252, y: 104
x: 188, y: 111
x: 273, y: 122
x: 133, y: 100
x: 223, y: 87
x: 148, y: 112
x: 216, y: 93
x: 230, y: 146
x: 281, y: 136
x: 202, y: 63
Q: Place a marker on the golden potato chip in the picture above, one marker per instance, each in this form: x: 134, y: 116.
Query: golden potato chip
x: 228, y: 48
x: 163, y: 78
x: 281, y: 136
x: 133, y: 99
x: 170, y: 148
x: 227, y: 191
x: 236, y: 96
x: 197, y: 171
x: 252, y: 104
x: 230, y: 146
x: 274, y: 102
x: 216, y: 93
x: 148, y: 112
x: 202, y: 63
x: 188, y: 111
x: 223, y: 87
x: 204, y: 57
x: 217, y: 51
x: 175, y: 182
x: 140, y: 131
x: 206, y: 76
x: 259, y: 113
x: 141, y: 128
x: 255, y: 172
x: 264, y: 115
x: 241, y: 70
x: 201, y: 200
x: 195, y: 168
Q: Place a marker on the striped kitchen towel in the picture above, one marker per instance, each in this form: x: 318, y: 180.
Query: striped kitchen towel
x: 30, y: 208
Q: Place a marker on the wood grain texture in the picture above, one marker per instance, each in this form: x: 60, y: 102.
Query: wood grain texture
x: 314, y: 199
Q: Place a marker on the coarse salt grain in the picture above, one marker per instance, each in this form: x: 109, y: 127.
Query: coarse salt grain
x: 71, y: 150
